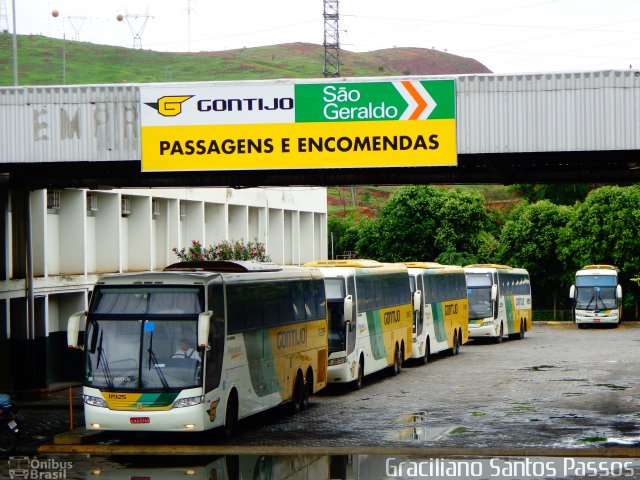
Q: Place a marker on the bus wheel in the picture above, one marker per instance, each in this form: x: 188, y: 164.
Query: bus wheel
x: 501, y: 334
x: 456, y: 344
x: 357, y: 383
x: 297, y: 399
x: 308, y: 390
x: 425, y: 358
x: 396, y: 368
x: 231, y: 416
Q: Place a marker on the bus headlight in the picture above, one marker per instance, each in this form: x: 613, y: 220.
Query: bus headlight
x: 487, y: 323
x: 94, y: 401
x: 337, y: 361
x: 188, y: 402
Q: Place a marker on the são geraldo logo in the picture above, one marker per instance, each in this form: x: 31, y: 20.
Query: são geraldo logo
x: 170, y: 106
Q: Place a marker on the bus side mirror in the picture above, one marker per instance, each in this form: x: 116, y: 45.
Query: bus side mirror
x: 572, y: 292
x: 348, y: 308
x: 204, y: 320
x: 74, y: 328
x: 619, y: 292
x: 417, y: 301
x: 494, y: 292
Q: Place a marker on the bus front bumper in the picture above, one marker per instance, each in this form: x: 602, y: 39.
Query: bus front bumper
x: 482, y: 330
x: 596, y: 319
x: 342, y: 372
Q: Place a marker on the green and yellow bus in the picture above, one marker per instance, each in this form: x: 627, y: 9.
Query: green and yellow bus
x: 370, y: 318
x: 441, y: 320
x: 201, y: 345
x: 499, y: 301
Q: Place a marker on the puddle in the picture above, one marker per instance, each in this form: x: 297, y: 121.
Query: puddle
x: 573, y: 394
x: 414, y: 429
x: 537, y: 368
x: 570, y: 380
x: 458, y: 430
x: 611, y: 386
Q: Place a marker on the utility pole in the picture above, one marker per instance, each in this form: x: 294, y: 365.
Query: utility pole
x: 331, y: 39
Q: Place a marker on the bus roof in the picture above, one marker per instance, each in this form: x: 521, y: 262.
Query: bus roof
x: 599, y: 267
x: 422, y: 265
x: 352, y: 263
x: 223, y: 266
x: 433, y: 266
x: 198, y: 273
x: 488, y: 265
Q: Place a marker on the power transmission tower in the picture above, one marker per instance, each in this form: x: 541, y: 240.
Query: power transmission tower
x: 76, y: 23
x: 4, y: 18
x: 331, y: 39
x: 137, y: 22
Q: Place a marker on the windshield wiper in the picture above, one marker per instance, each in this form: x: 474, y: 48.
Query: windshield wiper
x: 105, y: 364
x: 152, y: 358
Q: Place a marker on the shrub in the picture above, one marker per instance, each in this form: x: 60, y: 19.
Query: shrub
x: 235, y: 250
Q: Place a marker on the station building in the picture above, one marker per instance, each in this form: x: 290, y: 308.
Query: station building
x: 54, y: 253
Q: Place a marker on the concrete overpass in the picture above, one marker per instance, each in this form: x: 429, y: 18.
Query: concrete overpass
x: 546, y: 127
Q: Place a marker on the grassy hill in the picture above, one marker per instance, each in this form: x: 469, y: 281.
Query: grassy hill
x: 367, y: 200
x: 41, y: 62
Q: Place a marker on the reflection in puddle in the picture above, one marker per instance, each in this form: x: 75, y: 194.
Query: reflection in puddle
x: 538, y: 368
x: 414, y: 429
x: 338, y: 467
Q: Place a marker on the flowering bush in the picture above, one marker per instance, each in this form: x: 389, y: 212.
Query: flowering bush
x: 236, y: 250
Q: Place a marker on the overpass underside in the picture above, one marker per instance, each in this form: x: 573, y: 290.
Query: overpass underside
x: 610, y: 167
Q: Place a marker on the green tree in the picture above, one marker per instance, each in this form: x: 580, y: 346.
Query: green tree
x: 343, y: 234
x: 423, y: 222
x: 560, y: 194
x: 605, y: 229
x: 529, y: 239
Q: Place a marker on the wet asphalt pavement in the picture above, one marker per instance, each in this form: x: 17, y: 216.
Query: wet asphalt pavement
x: 560, y: 387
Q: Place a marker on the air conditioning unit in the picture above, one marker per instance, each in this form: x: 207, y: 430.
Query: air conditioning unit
x: 125, y: 206
x: 92, y: 202
x: 53, y: 199
x: 155, y: 207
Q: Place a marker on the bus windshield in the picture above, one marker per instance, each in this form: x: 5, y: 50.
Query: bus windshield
x: 142, y: 354
x: 479, y: 294
x: 596, y: 298
x: 141, y: 337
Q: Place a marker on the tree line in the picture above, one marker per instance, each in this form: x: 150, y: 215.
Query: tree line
x: 554, y: 231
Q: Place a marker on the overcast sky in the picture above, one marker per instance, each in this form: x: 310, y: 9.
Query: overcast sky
x: 508, y: 36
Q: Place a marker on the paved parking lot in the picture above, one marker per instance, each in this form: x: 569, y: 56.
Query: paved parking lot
x: 559, y: 387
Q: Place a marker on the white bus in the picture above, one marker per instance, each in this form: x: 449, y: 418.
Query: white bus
x: 597, y: 296
x: 370, y: 318
x: 499, y: 301
x: 201, y: 345
x: 441, y: 320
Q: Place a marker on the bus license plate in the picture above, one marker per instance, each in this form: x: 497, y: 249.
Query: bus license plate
x: 140, y: 420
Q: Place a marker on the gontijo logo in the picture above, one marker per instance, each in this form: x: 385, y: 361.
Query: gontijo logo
x: 170, y: 106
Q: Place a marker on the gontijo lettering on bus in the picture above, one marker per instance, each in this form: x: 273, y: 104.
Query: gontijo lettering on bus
x: 298, y: 125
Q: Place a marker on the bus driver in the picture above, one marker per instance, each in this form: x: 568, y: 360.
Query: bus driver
x: 185, y: 351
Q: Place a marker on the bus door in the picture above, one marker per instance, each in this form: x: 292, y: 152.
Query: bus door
x: 418, y: 314
x: 342, y: 336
